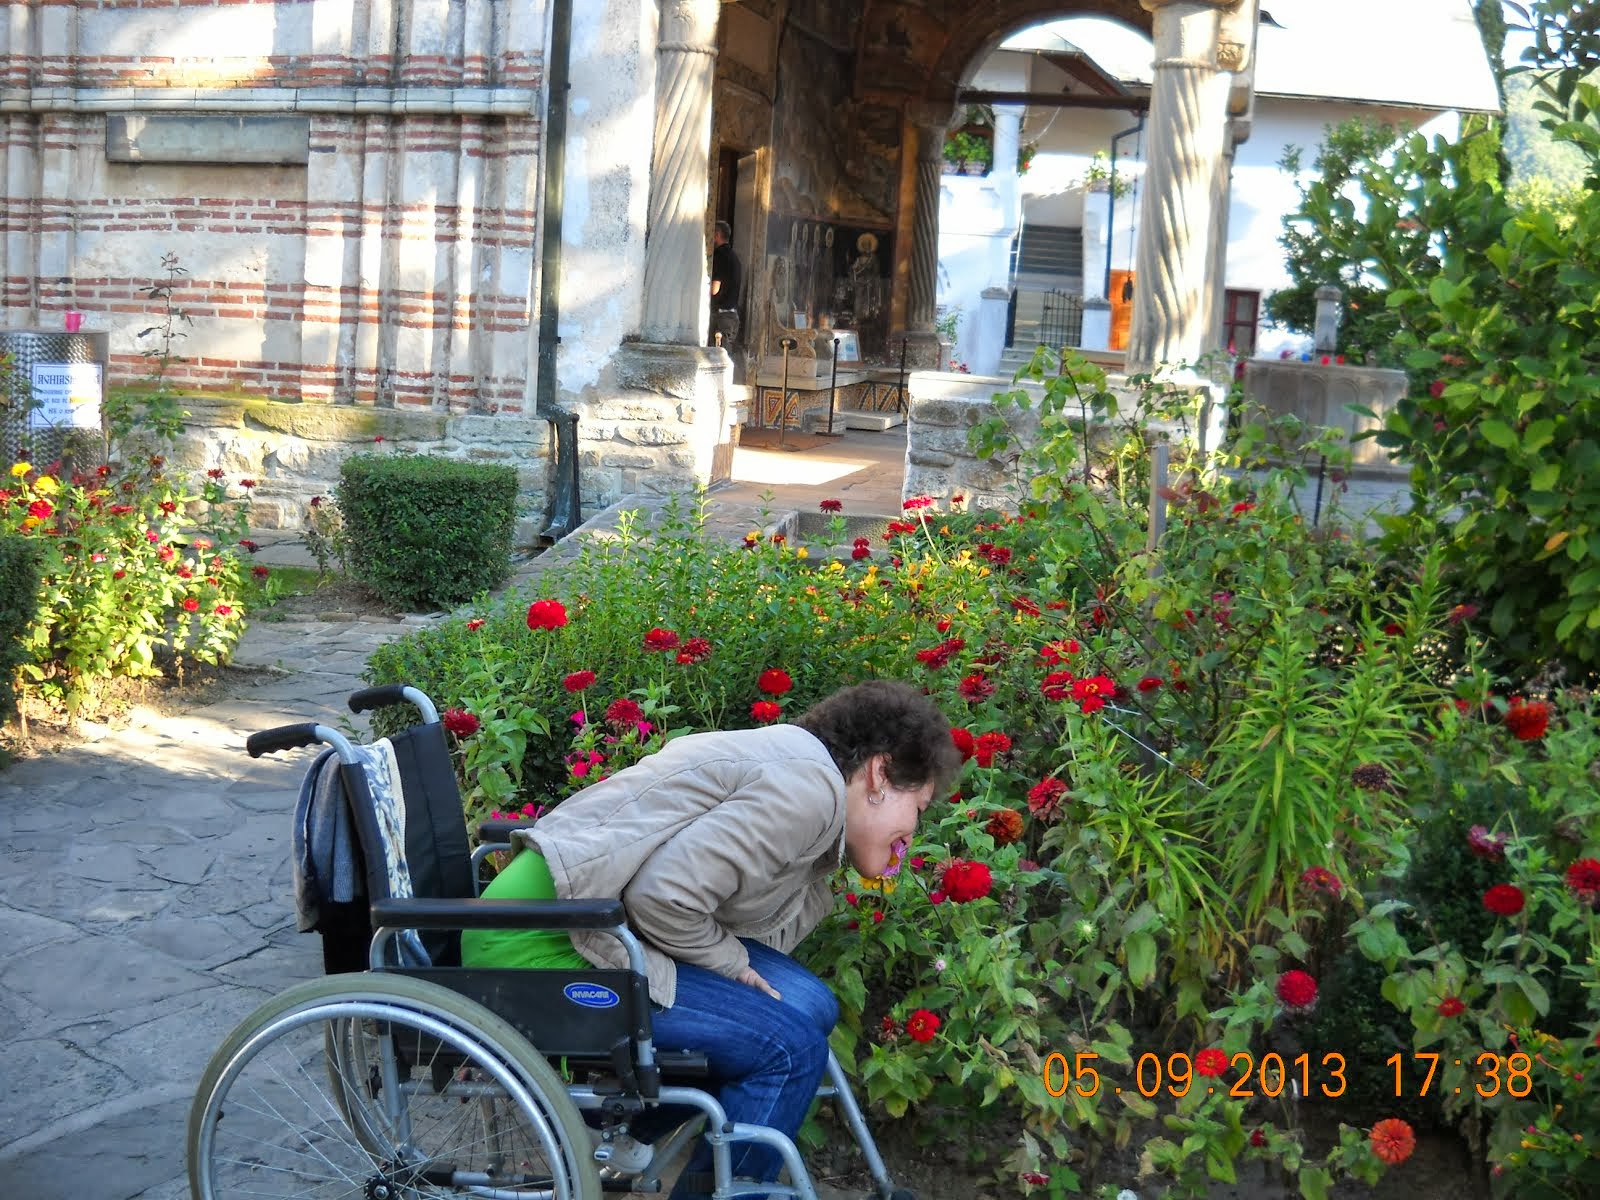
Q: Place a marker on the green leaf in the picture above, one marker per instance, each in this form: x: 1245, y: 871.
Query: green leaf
x: 1545, y: 478
x: 1498, y: 433
x: 1314, y: 1183
x: 1141, y: 950
x: 1538, y: 436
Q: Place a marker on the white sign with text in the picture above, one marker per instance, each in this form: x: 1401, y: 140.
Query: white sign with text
x: 66, y: 396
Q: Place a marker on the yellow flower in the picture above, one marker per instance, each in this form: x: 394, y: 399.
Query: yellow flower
x: 802, y: 552
x: 46, y: 485
x: 879, y: 884
x: 18, y: 470
x: 836, y: 567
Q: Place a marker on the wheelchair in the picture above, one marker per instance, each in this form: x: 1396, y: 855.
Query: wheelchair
x: 400, y: 1074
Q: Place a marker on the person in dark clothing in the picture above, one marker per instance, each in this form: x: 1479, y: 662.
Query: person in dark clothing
x: 725, y: 273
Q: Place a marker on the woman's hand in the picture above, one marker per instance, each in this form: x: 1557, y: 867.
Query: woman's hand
x: 752, y: 977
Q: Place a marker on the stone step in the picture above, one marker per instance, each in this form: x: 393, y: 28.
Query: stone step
x: 877, y: 422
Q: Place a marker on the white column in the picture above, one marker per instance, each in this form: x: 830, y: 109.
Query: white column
x: 677, y: 286
x: 1174, y: 261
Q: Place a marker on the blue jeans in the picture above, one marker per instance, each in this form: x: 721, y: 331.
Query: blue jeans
x: 766, y: 1057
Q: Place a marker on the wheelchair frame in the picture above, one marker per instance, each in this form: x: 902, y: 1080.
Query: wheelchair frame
x: 482, y: 1016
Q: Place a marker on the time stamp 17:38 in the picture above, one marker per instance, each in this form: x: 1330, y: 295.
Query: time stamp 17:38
x: 1244, y: 1078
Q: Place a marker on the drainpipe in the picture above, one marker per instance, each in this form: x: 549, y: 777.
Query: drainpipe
x: 562, y: 515
x: 1111, y: 209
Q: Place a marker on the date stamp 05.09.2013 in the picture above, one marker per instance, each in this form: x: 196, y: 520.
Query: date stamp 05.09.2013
x: 1304, y: 1076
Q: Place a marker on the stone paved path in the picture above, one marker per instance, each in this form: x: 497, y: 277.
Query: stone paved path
x: 145, y: 908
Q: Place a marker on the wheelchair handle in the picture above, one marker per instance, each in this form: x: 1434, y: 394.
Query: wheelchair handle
x: 284, y: 737
x: 394, y: 693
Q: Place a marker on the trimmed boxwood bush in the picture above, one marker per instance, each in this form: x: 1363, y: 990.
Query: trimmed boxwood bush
x: 20, y: 565
x: 426, y: 532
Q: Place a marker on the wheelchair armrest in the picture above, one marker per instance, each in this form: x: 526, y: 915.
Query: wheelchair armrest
x: 425, y: 913
x: 499, y: 832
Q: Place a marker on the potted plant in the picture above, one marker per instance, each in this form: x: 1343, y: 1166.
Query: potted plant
x: 973, y: 152
x: 952, y: 157
x: 1025, y: 153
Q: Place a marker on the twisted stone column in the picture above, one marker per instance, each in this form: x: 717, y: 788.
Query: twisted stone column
x: 677, y: 302
x: 922, y: 343
x: 1172, y: 309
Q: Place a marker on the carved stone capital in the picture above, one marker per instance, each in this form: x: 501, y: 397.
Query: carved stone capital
x: 689, y: 24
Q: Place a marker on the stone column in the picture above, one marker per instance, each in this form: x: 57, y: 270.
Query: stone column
x: 677, y: 286
x: 922, y: 342
x: 1172, y: 311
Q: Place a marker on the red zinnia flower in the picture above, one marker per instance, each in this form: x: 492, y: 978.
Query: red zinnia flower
x: 1045, y: 797
x: 1091, y: 693
x: 1526, y: 721
x: 1504, y: 899
x: 1583, y: 880
x: 860, y: 552
x: 475, y: 624
x: 41, y: 510
x: 1484, y: 844
x: 922, y: 1025
x: 1297, y: 990
x: 1258, y: 1138
x: 831, y: 506
x: 1320, y: 879
x: 459, y: 722
x: 660, y: 639
x: 938, y: 656
x: 1149, y: 683
x: 1393, y: 1141
x: 191, y: 605
x: 975, y: 688
x: 1451, y: 1006
x: 1211, y: 1062
x: 766, y: 711
x: 1025, y: 606
x: 988, y: 745
x: 963, y: 742
x: 578, y: 681
x: 247, y: 483
x: 1005, y: 827
x: 260, y: 572
x: 547, y: 614
x: 965, y: 881
x: 624, y: 712
x: 1054, y: 686
x: 1053, y: 652
x: 224, y: 610
x: 775, y: 682
x: 695, y: 650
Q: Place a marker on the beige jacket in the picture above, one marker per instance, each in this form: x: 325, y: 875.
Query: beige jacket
x: 715, y: 837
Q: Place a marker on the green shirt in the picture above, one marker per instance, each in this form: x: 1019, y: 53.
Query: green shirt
x: 526, y: 877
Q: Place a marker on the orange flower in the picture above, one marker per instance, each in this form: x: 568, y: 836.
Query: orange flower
x: 1393, y: 1141
x: 1005, y: 826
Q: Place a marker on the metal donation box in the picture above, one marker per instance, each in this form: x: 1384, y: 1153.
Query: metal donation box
x: 53, y: 386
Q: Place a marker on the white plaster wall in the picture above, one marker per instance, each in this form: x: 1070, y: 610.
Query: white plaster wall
x: 610, y: 138
x: 976, y: 228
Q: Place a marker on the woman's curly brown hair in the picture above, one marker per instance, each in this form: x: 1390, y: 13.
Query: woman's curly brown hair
x: 883, y: 716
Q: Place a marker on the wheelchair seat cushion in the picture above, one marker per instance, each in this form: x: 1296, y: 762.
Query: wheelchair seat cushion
x: 526, y: 877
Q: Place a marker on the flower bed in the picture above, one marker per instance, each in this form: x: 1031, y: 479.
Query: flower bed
x: 1183, y: 881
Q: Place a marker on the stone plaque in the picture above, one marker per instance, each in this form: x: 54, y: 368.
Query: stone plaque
x: 214, y: 139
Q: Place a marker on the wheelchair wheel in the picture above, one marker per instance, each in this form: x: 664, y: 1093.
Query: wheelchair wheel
x: 387, y: 1088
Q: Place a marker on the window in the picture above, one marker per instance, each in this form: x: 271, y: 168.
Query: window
x: 1240, y: 312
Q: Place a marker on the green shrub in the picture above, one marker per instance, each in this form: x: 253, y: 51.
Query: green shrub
x: 426, y: 532
x: 20, y: 568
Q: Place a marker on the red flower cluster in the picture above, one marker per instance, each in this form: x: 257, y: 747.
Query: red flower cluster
x: 775, y: 682
x: 1451, y: 1006
x: 975, y: 688
x: 1486, y: 845
x: 1025, y: 606
x: 459, y: 722
x: 938, y: 656
x: 578, y: 681
x: 475, y: 624
x: 897, y: 528
x: 660, y: 639
x: 988, y: 745
x: 1045, y: 797
x: 998, y: 555
x: 766, y: 711
x: 1297, y: 990
x: 547, y: 614
x: 1528, y: 721
x: 695, y: 650
x: 1504, y: 900
x: 1052, y: 653
x: 831, y: 506
x: 917, y: 502
x: 1583, y: 881
x: 1005, y: 827
x: 922, y: 1026
x: 862, y: 549
x: 963, y: 742
x: 965, y: 881
x: 624, y: 713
